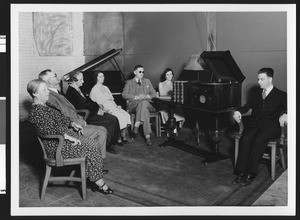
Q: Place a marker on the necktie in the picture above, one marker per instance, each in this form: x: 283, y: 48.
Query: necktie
x: 264, y: 94
x: 139, y: 82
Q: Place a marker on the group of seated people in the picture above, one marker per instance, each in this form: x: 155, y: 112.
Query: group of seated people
x: 106, y: 125
x: 54, y: 113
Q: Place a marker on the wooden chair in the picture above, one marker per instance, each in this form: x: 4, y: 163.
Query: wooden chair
x: 278, y: 143
x: 59, y: 161
x: 154, y: 115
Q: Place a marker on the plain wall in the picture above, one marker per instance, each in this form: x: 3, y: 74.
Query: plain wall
x: 256, y: 40
x: 159, y: 40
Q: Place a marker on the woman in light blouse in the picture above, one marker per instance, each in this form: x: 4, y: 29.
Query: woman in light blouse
x: 102, y: 95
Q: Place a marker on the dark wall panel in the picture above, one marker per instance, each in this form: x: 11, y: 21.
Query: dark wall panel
x: 158, y: 40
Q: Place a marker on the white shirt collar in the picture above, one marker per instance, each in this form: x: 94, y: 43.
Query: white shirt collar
x: 269, y: 89
x: 137, y: 80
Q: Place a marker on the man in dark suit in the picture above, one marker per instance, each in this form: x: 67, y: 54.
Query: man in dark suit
x: 98, y: 116
x: 99, y: 133
x: 268, y: 104
x: 139, y: 92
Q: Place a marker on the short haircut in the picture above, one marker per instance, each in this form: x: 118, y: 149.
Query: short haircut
x: 33, y: 86
x: 43, y: 74
x: 137, y: 66
x: 95, y: 76
x: 268, y: 71
x: 73, y: 76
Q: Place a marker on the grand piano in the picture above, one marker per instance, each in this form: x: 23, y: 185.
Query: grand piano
x: 114, y: 77
x: 208, y: 97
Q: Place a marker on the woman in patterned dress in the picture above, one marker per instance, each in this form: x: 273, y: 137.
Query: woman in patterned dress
x: 102, y: 95
x: 47, y: 119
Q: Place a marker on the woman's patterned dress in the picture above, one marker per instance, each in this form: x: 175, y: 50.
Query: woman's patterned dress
x: 49, y: 120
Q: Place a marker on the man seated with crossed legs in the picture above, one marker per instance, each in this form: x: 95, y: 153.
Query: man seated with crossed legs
x: 139, y: 92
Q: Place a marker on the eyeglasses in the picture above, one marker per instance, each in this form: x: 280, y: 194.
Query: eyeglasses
x: 141, y: 71
x: 55, y: 75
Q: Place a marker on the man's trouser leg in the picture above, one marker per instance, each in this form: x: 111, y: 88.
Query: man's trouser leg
x: 143, y: 114
x: 97, y: 133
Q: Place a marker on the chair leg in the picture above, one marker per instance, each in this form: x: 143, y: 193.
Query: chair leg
x: 83, y: 180
x: 71, y: 175
x: 157, y: 126
x: 282, y: 159
x: 132, y: 122
x: 236, y: 150
x: 273, y: 162
x: 46, y: 180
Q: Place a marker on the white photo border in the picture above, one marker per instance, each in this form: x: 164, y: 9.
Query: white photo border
x: 155, y: 211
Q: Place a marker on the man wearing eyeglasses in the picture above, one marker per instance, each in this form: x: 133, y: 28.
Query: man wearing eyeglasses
x: 138, y: 92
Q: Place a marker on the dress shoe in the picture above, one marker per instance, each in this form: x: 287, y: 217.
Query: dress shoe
x: 239, y: 178
x: 248, y: 180
x: 104, y: 171
x: 133, y: 135
x: 124, y: 140
x: 120, y: 143
x: 111, y: 150
x: 148, y: 141
x: 95, y: 187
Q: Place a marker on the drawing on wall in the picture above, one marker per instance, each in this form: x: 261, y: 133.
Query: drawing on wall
x: 53, y: 33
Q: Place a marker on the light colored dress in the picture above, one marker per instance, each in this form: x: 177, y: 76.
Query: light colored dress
x: 166, y: 89
x: 102, y: 95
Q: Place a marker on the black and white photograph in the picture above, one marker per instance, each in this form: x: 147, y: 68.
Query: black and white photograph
x: 153, y: 109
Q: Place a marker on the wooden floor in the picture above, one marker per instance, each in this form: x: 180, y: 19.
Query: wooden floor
x: 276, y: 194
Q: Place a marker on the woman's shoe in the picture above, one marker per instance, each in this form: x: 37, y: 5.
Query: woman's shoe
x: 120, y: 143
x: 124, y: 140
x: 95, y: 187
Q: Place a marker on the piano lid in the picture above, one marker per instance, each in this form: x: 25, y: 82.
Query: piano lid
x: 96, y: 62
x: 222, y: 66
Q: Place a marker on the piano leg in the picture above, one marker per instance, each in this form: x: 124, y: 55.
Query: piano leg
x: 215, y: 135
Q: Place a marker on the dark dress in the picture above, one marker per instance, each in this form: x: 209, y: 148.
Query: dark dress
x: 48, y: 120
x: 110, y: 122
